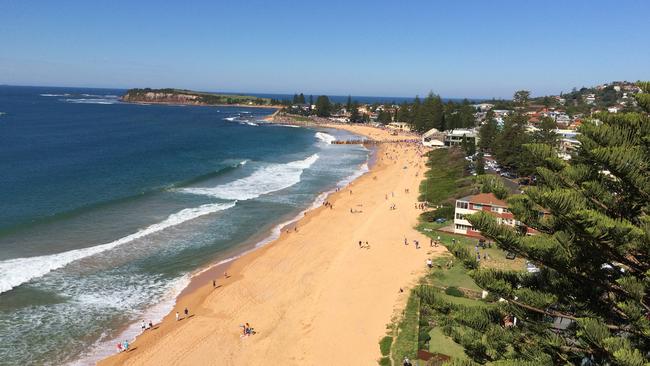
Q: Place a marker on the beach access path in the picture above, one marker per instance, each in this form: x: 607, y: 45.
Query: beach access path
x: 313, y: 296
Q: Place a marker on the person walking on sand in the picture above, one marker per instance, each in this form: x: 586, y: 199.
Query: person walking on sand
x: 187, y: 312
x: 119, y: 347
x: 429, y: 263
x: 214, y: 283
x: 150, y: 324
x: 144, y: 326
x: 178, y: 316
x: 126, y: 345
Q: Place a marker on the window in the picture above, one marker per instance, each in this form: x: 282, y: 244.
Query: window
x: 495, y: 209
x: 461, y: 204
x: 460, y: 216
x: 505, y: 210
x: 477, y: 207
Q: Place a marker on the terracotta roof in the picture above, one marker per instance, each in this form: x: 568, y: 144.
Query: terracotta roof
x: 486, y: 199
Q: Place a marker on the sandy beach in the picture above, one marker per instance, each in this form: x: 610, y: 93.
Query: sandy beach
x: 313, y: 297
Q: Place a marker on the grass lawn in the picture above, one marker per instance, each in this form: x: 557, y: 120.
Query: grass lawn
x: 406, y: 342
x: 455, y: 276
x: 440, y: 343
x: 497, y: 256
x: 446, y: 177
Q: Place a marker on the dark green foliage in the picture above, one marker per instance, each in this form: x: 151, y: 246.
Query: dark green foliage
x: 355, y: 116
x: 323, y: 106
x: 384, y: 117
x: 384, y: 345
x: 593, y: 248
x: 546, y: 134
x: 446, y: 178
x: 521, y: 97
x: 488, y: 132
x: 454, y: 291
x: 385, y: 361
x: 509, y: 144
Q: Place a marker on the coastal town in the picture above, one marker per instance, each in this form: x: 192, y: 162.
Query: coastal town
x: 371, y: 183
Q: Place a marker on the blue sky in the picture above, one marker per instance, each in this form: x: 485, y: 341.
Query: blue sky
x: 384, y: 48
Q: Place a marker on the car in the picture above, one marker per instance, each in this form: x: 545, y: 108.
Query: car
x: 441, y: 220
x: 531, y: 268
x: 511, y: 255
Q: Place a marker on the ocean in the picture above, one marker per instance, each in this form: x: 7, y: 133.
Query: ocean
x: 108, y: 208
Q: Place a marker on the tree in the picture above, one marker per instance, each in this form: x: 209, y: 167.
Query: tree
x: 348, y: 105
x: 480, y: 164
x: 546, y: 133
x: 508, y: 145
x: 355, y: 116
x: 323, y: 106
x: 311, y: 100
x: 488, y: 132
x: 295, y: 99
x: 468, y: 145
x: 592, y: 247
x: 429, y: 114
x: 383, y: 117
x: 521, y: 97
x: 403, y: 113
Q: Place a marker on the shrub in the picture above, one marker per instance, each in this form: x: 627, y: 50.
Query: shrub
x: 454, y: 291
x: 384, y: 345
x: 384, y: 361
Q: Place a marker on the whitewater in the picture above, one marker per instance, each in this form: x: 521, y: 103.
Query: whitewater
x: 14, y: 272
x: 268, y: 179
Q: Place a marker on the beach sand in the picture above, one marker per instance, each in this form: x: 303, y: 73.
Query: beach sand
x: 313, y: 296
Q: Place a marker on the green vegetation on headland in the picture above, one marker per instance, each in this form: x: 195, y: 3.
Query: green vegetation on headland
x: 181, y: 96
x: 588, y: 302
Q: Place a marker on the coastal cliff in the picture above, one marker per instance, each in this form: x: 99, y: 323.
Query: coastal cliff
x: 188, y: 97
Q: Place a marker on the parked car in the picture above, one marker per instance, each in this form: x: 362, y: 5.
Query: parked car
x: 441, y: 220
x: 531, y: 268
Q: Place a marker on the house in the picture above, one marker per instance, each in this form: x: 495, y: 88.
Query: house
x: 455, y: 137
x: 433, y: 138
x: 562, y: 120
x: 486, y: 202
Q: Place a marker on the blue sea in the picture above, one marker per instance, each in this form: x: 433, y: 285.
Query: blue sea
x: 108, y: 208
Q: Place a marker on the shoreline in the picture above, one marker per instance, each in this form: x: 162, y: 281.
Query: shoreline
x: 199, y: 290
x: 202, y: 277
x: 201, y: 104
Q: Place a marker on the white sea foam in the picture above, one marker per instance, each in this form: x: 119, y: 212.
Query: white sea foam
x: 106, y: 347
x: 92, y: 100
x: 325, y: 137
x: 363, y: 169
x: 14, y: 272
x: 249, y: 123
x: 271, y: 178
x: 55, y: 95
x: 230, y: 118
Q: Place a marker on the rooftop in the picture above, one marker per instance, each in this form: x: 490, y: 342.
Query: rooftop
x: 485, y: 199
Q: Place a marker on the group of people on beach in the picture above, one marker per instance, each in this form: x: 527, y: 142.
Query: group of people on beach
x: 178, y: 315
x: 123, y: 346
x: 247, y: 330
x: 363, y: 246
